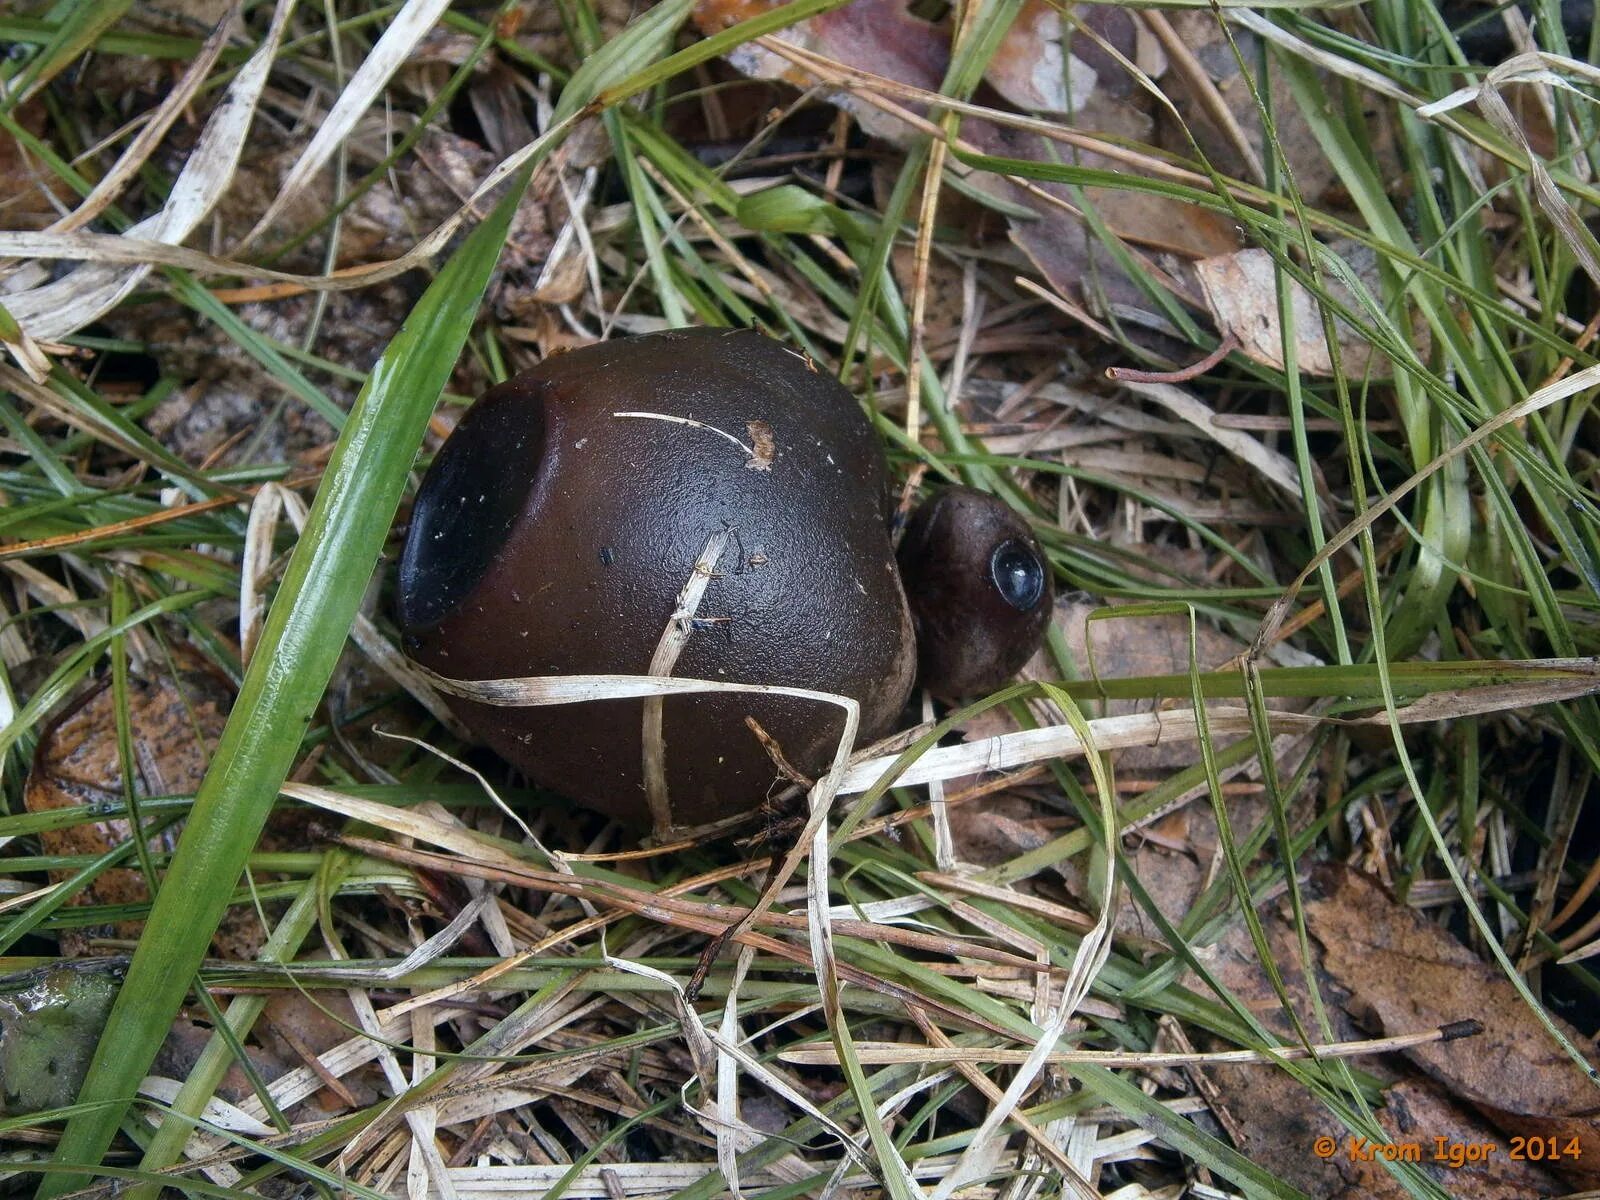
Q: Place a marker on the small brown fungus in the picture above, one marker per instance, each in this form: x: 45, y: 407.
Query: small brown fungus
x: 702, y: 503
x: 979, y: 588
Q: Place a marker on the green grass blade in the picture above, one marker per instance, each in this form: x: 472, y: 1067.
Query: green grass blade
x: 304, y: 635
x: 82, y: 27
x: 620, y: 61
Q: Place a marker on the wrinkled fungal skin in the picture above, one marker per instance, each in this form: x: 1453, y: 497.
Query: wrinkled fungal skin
x: 551, y: 537
x: 970, y: 638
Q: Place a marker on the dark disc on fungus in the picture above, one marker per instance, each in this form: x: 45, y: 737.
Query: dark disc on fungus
x: 979, y: 588
x: 559, y: 523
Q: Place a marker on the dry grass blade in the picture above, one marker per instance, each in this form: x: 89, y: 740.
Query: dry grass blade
x: 57, y: 309
x: 139, y: 150
x: 410, y: 25
x: 1534, y: 67
x: 1275, y: 468
x: 883, y: 1053
x: 679, y: 628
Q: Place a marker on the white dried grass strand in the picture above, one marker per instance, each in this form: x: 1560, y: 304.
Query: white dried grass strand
x: 471, y: 983
x: 891, y: 1053
x: 535, y: 691
x: 405, y: 822
x: 56, y: 309
x: 408, y: 28
x: 133, y: 157
x: 131, y: 251
x: 1024, y: 747
x: 786, y: 1091
x: 1551, y: 70
x: 944, y: 842
x: 30, y: 356
x: 1278, y: 469
x: 14, y: 651
x: 1093, y: 950
x: 437, y: 946
x: 679, y: 628
x: 727, y: 1095
x: 749, y: 452
x: 445, y: 817
x: 1335, y: 64
x: 217, y: 1111
x: 636, y: 1179
x: 494, y: 918
x: 416, y: 1121
x: 695, y: 1037
x: 1082, y: 1144
x: 1005, y: 751
x: 884, y: 912
x: 370, y: 640
x: 425, y: 1125
x: 261, y: 527
x: 53, y: 592
x: 1587, y: 950
x: 575, y: 228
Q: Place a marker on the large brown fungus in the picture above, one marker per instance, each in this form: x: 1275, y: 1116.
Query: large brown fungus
x: 558, y: 528
x: 559, y: 523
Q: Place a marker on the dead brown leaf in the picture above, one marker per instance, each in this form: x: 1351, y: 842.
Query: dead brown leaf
x: 1035, y: 70
x: 1241, y: 289
x: 173, y: 726
x: 882, y: 38
x: 289, y: 1033
x: 1280, y: 1126
x: 1278, y: 1122
x: 1405, y: 973
x: 996, y: 830
x: 1213, y: 50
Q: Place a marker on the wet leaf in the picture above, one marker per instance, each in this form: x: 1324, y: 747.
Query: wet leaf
x: 173, y: 726
x: 50, y: 1020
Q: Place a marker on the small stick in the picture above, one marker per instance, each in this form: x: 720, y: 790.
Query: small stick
x: 1224, y: 348
x: 775, y: 752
